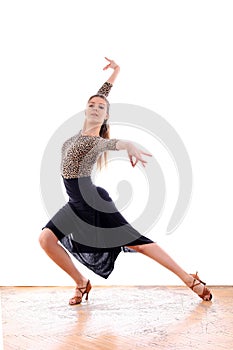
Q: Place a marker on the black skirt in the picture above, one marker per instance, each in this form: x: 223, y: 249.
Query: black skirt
x: 91, y: 228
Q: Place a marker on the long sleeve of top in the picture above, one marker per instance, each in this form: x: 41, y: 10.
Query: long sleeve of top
x: 105, y: 89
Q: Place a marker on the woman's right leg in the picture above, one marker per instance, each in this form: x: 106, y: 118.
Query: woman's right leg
x: 49, y: 242
x: 155, y: 252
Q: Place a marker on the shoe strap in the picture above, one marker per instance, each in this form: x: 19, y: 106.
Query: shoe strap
x: 85, y: 287
x: 195, y: 284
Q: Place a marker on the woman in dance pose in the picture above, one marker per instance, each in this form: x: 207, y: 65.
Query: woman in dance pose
x: 81, y: 224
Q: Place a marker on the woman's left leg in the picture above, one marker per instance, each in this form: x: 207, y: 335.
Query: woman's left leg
x: 155, y: 252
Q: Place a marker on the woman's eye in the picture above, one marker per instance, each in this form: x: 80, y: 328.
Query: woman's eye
x: 90, y: 105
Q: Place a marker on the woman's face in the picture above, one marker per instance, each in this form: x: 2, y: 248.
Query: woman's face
x: 96, y: 110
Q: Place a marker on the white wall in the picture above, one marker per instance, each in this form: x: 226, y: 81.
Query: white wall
x: 176, y: 59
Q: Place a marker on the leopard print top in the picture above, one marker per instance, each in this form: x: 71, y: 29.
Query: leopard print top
x: 79, y: 154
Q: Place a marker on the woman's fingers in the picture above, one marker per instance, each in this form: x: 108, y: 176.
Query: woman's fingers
x: 112, y: 64
x: 131, y: 160
x: 136, y: 153
x: 146, y: 154
x: 138, y: 158
x: 141, y: 159
x: 106, y: 67
x: 108, y: 59
x: 133, y: 163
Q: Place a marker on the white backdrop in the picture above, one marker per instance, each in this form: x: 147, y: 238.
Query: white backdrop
x: 176, y: 59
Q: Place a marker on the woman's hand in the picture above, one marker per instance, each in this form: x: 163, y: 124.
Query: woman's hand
x: 134, y: 152
x: 112, y: 64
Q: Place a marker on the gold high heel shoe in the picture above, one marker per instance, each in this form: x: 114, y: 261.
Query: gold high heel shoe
x: 205, y: 292
x: 78, y: 299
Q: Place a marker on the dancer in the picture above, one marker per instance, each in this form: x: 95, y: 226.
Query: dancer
x: 80, y: 226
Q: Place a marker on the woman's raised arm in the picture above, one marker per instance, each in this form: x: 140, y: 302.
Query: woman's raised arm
x: 106, y: 87
x: 116, y: 69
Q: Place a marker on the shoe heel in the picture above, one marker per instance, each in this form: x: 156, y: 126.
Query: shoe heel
x: 88, y: 288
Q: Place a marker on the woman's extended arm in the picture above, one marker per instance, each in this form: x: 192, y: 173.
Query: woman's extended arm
x: 133, y: 152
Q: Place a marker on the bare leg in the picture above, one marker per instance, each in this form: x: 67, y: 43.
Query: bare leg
x: 159, y: 255
x: 49, y: 242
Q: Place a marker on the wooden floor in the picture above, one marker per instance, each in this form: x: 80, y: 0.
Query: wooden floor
x: 39, y: 318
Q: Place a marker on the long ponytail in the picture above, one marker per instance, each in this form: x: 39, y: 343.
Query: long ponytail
x: 105, y: 133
